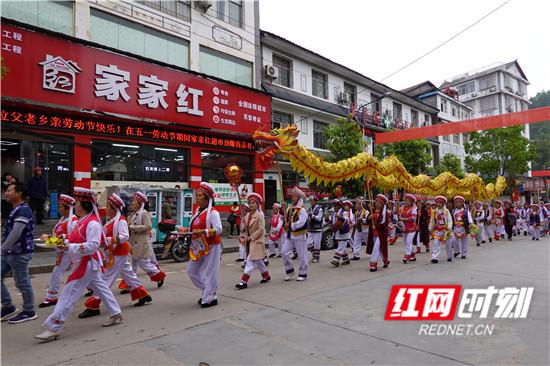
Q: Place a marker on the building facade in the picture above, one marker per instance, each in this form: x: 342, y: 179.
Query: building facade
x: 102, y: 93
x: 451, y: 109
x: 312, y: 91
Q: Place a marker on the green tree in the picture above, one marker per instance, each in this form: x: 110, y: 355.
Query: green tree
x: 501, y: 151
x: 450, y: 163
x: 414, y: 154
x: 344, y: 140
x: 540, y: 133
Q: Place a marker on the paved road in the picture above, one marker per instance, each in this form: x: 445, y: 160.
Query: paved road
x: 333, y: 318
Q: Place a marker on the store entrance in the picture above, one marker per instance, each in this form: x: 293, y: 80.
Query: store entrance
x: 21, y: 155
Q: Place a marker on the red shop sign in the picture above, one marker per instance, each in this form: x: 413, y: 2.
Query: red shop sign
x: 51, y: 69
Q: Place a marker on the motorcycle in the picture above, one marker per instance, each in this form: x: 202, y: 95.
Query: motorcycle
x: 176, y: 244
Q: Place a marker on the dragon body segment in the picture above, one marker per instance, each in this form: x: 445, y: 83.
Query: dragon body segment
x: 387, y: 174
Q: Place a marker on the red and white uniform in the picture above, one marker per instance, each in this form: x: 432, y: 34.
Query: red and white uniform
x: 83, y: 250
x: 460, y: 215
x: 497, y: 220
x: 441, y: 223
x: 117, y: 235
x: 408, y: 216
x: 62, y: 262
x: 205, y: 253
x: 275, y: 233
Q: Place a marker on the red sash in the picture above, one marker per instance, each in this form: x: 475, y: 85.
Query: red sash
x: 121, y: 249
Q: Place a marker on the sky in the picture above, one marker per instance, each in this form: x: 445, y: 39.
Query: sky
x: 376, y: 38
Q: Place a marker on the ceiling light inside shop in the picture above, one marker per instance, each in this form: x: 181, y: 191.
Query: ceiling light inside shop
x: 164, y: 149
x: 8, y: 143
x: 129, y: 146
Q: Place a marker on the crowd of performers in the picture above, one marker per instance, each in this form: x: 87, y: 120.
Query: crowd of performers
x: 97, y: 255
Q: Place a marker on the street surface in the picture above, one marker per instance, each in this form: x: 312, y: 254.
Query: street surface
x: 333, y: 318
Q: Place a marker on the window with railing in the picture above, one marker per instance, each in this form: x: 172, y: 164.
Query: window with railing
x: 488, y: 81
x: 397, y: 112
x: 467, y: 88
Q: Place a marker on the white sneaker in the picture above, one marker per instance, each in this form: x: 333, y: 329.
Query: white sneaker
x: 290, y: 276
x: 300, y: 278
x: 113, y: 320
x: 47, y: 336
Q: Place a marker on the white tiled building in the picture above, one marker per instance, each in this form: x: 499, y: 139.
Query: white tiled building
x: 451, y: 109
x: 312, y: 91
x: 218, y: 38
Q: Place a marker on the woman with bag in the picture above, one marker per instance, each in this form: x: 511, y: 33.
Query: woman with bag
x: 254, y: 229
x: 234, y: 218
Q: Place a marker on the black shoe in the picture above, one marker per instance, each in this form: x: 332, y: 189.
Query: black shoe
x: 355, y: 258
x: 241, y: 286
x: 272, y: 255
x: 46, y: 304
x: 536, y: 239
x: 242, y: 266
x: 449, y: 259
x: 463, y: 257
x: 200, y: 301
x: 456, y: 254
x: 209, y: 304
x: 525, y: 233
x: 373, y: 269
x: 533, y: 238
x: 143, y: 301
x: 160, y: 283
x: 295, y: 256
x: 278, y: 256
x: 88, y: 313
x: 239, y: 260
x: 89, y: 293
x: 125, y: 291
x: 478, y: 245
x: 267, y: 279
x: 346, y: 262
x: 435, y: 261
x: 386, y: 265
x: 483, y: 242
x: 490, y: 240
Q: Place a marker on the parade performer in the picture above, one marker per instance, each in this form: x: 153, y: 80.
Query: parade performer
x: 478, y: 216
x: 488, y: 221
x: 62, y: 231
x: 295, y: 228
x: 82, y: 247
x: 441, y: 224
x: 206, y: 249
x: 497, y: 220
x: 545, y: 211
x: 408, y: 216
x: 378, y: 233
x: 510, y: 219
x: 315, y: 228
x: 342, y: 228
x: 117, y: 249
x: 392, y: 225
x: 461, y: 226
x: 424, y: 224
x: 361, y: 229
x: 242, y: 236
x: 524, y: 217
x: 254, y: 225
x: 535, y: 221
x: 276, y: 231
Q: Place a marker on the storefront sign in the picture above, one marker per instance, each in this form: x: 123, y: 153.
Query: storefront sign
x: 97, y: 127
x: 534, y: 184
x: 225, y: 195
x: 50, y: 69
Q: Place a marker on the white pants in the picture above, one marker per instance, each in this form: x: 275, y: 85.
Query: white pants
x: 451, y: 246
x: 342, y: 246
x: 72, y: 292
x: 408, y: 239
x: 146, y: 264
x: 299, y: 243
x: 462, y: 245
x: 480, y: 236
x: 57, y: 277
x: 358, y: 240
x: 242, y: 251
x: 274, y: 246
x: 121, y: 267
x: 375, y: 250
x: 489, y: 231
x: 535, y: 232
x: 314, y: 239
x: 499, y: 229
x: 205, y: 273
x: 525, y: 225
x: 254, y: 263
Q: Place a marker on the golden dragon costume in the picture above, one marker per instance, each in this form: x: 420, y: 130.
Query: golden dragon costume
x: 387, y: 174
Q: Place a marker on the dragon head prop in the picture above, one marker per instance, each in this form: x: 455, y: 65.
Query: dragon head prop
x: 278, y: 140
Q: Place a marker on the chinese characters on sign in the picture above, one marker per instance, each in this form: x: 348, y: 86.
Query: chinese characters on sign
x: 121, y: 130
x: 11, y: 42
x: 534, y: 184
x: 439, y: 302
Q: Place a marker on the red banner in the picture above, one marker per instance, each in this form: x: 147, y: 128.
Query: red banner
x: 49, y: 69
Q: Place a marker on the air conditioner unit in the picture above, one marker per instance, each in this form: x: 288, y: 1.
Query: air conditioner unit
x: 271, y: 72
x: 343, y: 98
x: 493, y: 89
x: 203, y: 5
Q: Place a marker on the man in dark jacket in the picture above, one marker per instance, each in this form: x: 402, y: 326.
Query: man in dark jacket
x: 36, y: 187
